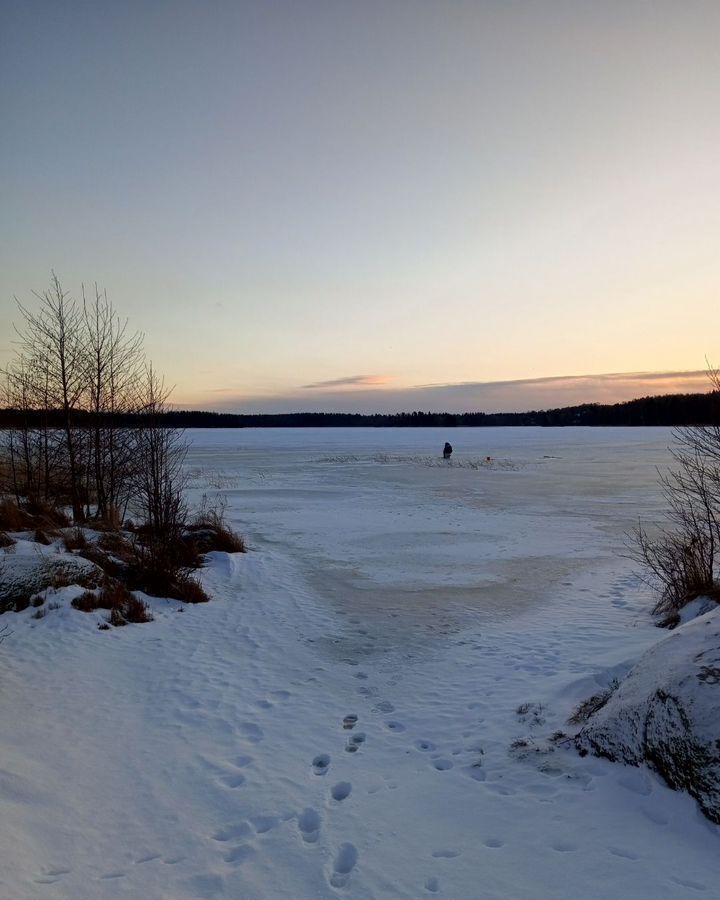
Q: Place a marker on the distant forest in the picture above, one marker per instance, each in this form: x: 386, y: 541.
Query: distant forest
x: 669, y: 409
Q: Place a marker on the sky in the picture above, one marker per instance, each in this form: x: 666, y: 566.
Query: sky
x: 362, y: 205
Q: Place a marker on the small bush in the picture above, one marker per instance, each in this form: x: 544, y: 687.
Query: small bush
x: 178, y: 585
x: 116, y: 618
x: 5, y: 540
x: 189, y: 590
x: 86, y: 602
x: 123, y: 606
x: 75, y: 540
x: 211, y: 531
x: 207, y: 536
x: 136, y: 610
x: 40, y: 537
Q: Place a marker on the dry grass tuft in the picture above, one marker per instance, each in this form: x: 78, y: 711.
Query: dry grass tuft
x: 210, y: 531
x: 75, y: 540
x: 590, y: 706
x: 46, y: 515
x: 123, y: 605
x: 12, y: 518
x: 178, y: 585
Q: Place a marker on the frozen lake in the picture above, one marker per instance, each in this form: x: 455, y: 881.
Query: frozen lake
x: 379, y: 522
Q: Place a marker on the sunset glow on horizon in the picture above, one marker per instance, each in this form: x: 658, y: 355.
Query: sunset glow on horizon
x: 474, y: 205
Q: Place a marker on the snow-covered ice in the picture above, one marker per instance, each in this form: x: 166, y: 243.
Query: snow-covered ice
x: 363, y: 709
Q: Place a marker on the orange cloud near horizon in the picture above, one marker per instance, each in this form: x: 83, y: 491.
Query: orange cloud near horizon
x: 370, y: 393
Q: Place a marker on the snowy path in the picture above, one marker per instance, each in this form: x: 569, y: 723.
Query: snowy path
x: 277, y: 743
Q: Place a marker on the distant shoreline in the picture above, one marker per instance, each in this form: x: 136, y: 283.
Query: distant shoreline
x: 664, y: 410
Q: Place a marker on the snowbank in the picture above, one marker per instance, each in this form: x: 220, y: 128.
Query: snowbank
x: 666, y: 714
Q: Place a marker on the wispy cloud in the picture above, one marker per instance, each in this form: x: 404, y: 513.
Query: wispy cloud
x: 609, y: 378
x: 473, y: 396
x: 349, y: 381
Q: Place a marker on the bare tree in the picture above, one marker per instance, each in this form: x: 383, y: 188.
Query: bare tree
x: 115, y: 369
x: 56, y: 366
x: 159, y: 478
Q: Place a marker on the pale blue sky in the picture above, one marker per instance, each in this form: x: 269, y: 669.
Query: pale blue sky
x: 386, y: 195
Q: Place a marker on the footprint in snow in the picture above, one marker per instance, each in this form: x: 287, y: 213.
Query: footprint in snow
x: 232, y: 832
x: 442, y: 765
x: 350, y: 721
x: 344, y: 863
x: 564, y: 847
x: 309, y: 824
x: 240, y: 854
x: 252, y: 732
x: 321, y: 763
x: 341, y: 791
x: 445, y: 854
x: 234, y: 780
x: 425, y: 746
x: 263, y: 824
x: 355, y: 742
x: 432, y: 885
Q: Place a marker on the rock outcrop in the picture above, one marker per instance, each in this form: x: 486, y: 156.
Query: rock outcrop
x: 666, y: 713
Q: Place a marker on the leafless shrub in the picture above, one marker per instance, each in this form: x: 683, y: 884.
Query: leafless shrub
x: 5, y: 540
x: 680, y: 559
x: 159, y: 482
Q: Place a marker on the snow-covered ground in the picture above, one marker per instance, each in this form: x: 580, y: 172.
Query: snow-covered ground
x: 453, y: 609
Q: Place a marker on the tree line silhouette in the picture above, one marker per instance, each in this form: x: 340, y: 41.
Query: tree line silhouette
x: 667, y: 410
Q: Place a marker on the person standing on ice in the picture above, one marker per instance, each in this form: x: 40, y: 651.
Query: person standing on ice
x: 447, y: 450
